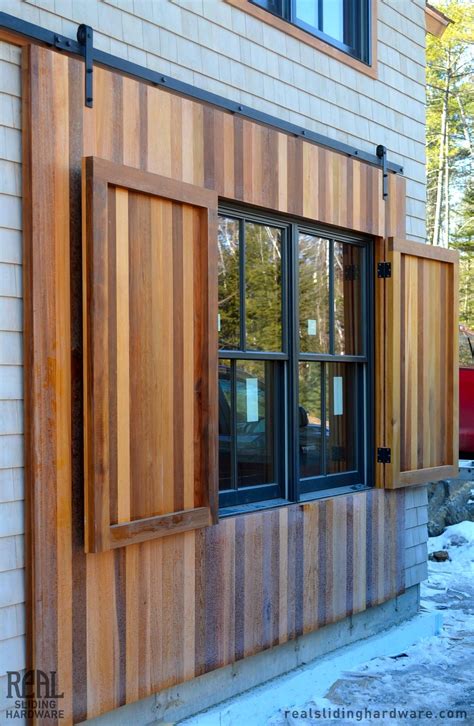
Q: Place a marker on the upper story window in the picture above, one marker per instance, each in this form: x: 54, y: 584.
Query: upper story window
x: 342, y: 23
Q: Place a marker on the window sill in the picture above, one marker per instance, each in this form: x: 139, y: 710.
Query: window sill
x: 253, y: 507
x: 278, y: 503
x: 313, y: 41
x: 329, y: 493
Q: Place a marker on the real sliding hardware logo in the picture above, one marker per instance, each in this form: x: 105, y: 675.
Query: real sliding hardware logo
x: 33, y: 694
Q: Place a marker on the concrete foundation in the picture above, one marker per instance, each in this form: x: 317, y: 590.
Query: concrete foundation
x: 179, y: 702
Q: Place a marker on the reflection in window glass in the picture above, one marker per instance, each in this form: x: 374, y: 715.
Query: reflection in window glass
x: 274, y: 6
x: 263, y: 303
x: 255, y: 402
x: 311, y: 436
x: 347, y: 299
x: 344, y: 23
x: 228, y: 321
x: 333, y: 19
x: 313, y: 271
x: 321, y: 319
x: 225, y: 424
x: 341, y: 412
x: 306, y: 11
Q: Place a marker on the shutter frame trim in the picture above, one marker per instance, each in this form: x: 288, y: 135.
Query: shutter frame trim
x: 393, y: 477
x: 100, y: 533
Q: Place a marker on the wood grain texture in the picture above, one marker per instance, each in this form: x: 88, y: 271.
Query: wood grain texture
x: 239, y: 159
x: 387, y: 336
x: 421, y: 400
x: 250, y: 581
x: 47, y: 370
x: 148, y: 245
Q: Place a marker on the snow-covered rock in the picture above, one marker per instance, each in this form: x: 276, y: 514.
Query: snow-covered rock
x: 449, y: 502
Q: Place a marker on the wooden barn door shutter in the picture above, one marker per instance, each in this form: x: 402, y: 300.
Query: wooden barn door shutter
x: 150, y: 337
x: 420, y: 364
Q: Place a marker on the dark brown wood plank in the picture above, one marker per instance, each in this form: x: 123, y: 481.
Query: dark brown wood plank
x: 144, y: 529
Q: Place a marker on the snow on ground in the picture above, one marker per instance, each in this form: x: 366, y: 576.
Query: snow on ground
x: 436, y: 675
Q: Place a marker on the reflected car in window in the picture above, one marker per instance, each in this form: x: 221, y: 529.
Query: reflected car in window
x: 254, y: 428
x: 310, y: 443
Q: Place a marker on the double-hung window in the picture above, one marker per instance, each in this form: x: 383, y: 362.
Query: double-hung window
x: 294, y: 327
x: 252, y: 327
x: 342, y: 23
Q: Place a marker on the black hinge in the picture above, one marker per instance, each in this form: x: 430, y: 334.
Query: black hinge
x: 85, y: 38
x: 384, y: 269
x: 381, y: 152
x: 384, y: 455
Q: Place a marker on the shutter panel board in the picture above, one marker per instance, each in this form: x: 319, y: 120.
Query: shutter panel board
x: 380, y: 351
x: 150, y: 355
x: 421, y: 363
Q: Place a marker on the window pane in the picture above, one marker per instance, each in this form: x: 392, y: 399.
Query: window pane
x: 228, y: 321
x: 274, y: 6
x: 225, y: 425
x: 342, y: 411
x: 348, y: 299
x: 333, y: 18
x: 306, y: 11
x: 313, y: 268
x: 255, y: 422
x: 310, y: 419
x: 263, y: 304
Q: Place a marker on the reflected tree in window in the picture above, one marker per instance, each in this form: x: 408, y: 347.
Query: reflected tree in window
x: 313, y: 268
x: 263, y: 302
x: 228, y: 276
x: 347, y: 299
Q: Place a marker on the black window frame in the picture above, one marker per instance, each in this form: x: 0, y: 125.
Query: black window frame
x: 277, y: 490
x: 290, y: 488
x: 357, y: 13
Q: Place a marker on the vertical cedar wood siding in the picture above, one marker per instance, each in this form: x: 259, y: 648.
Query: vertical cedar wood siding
x: 154, y: 614
x: 150, y: 306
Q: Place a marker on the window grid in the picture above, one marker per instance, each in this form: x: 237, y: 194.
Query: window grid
x: 290, y: 486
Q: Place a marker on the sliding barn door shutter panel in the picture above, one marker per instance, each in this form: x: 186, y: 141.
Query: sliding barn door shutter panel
x: 420, y: 363
x: 150, y: 352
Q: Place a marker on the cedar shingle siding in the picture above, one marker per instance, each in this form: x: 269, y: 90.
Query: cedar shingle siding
x: 12, y: 590
x: 217, y: 47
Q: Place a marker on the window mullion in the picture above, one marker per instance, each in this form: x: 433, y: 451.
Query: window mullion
x: 289, y: 10
x: 242, y: 283
x: 293, y: 367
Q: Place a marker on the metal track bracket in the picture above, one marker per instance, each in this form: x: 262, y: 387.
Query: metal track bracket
x: 381, y: 152
x: 85, y: 38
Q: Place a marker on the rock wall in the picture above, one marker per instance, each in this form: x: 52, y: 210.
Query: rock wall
x: 449, y: 502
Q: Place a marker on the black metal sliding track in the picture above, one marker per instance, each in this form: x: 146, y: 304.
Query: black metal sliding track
x: 92, y: 55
